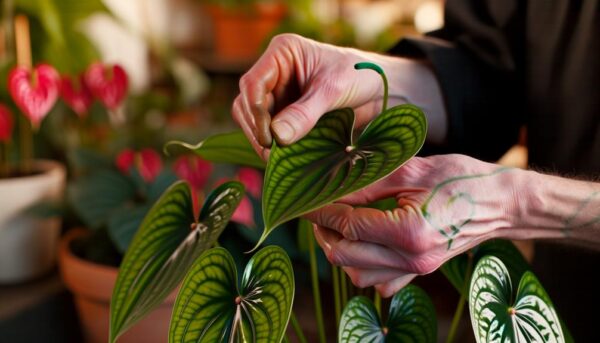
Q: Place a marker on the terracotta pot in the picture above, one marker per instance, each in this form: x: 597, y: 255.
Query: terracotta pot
x: 239, y: 32
x: 92, y: 285
x: 28, y: 242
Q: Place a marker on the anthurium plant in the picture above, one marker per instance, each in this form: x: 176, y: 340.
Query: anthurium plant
x: 176, y: 247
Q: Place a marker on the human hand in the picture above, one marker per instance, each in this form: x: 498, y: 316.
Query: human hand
x: 446, y: 205
x: 297, y: 80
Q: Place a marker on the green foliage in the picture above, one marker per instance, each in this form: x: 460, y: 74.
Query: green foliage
x: 231, y: 147
x: 326, y: 164
x: 456, y: 269
x: 211, y: 308
x: 497, y: 315
x: 165, y: 246
x: 411, y: 319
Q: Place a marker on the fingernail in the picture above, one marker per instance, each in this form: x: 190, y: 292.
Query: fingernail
x: 283, y: 130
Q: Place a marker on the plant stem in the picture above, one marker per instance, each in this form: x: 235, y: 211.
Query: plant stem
x: 377, y: 302
x: 315, y: 286
x: 297, y: 328
x: 375, y: 67
x: 344, y: 288
x: 26, y: 138
x: 461, y: 302
x: 4, y: 167
x: 336, y: 293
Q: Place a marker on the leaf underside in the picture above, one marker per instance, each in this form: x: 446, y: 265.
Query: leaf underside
x: 206, y: 309
x: 232, y: 147
x: 165, y: 247
x: 497, y: 318
x: 326, y: 164
x: 411, y: 319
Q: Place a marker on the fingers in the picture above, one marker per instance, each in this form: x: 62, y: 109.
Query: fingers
x: 390, y: 288
x: 247, y: 123
x: 364, y: 278
x: 357, y: 254
x: 297, y: 119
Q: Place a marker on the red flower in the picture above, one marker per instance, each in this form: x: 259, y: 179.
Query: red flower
x: 147, y: 163
x: 35, y: 91
x: 194, y: 170
x: 6, y: 124
x: 76, y: 94
x: 108, y: 84
x: 252, y: 180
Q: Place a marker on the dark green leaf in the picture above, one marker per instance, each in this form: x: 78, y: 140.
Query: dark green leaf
x: 497, y: 318
x: 164, y: 248
x: 95, y: 196
x: 211, y: 308
x: 124, y: 223
x: 411, y: 319
x: 231, y: 147
x: 326, y: 165
x: 456, y: 268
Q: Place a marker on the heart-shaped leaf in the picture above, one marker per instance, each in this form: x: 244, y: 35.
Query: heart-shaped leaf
x: 232, y: 147
x: 326, y: 164
x: 211, y: 308
x: 411, y: 319
x: 76, y: 94
x: 456, y: 269
x: 496, y: 317
x: 164, y: 248
x: 107, y: 83
x: 35, y: 91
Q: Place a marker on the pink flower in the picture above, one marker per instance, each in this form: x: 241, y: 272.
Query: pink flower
x: 108, y: 83
x: 34, y: 91
x: 147, y: 163
x: 252, y: 179
x: 76, y: 94
x: 194, y: 170
x: 6, y: 124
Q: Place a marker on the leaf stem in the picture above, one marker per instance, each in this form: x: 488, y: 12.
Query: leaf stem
x: 461, y: 302
x: 315, y: 285
x: 379, y: 70
x: 377, y: 302
x: 336, y: 293
x: 297, y: 329
x: 344, y: 288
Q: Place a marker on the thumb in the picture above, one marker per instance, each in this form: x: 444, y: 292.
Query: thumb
x: 297, y: 119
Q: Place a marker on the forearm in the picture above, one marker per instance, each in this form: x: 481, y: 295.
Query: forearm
x: 555, y: 207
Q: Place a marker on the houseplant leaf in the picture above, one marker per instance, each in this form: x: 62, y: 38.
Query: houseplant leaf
x: 456, y: 269
x: 211, y: 308
x: 165, y: 246
x: 327, y: 163
x: 411, y: 319
x: 232, y: 147
x: 496, y: 317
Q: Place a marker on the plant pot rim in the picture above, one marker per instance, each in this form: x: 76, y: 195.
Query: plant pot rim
x: 45, y: 169
x: 89, y: 279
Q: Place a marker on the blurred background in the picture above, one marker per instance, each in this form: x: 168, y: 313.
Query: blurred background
x: 157, y: 70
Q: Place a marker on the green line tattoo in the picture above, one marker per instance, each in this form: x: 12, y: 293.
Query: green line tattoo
x: 569, y: 222
x: 451, y: 230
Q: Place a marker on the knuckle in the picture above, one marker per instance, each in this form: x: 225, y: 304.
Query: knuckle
x: 358, y: 279
x: 334, y: 255
x: 284, y: 39
x: 421, y: 265
x: 244, y: 83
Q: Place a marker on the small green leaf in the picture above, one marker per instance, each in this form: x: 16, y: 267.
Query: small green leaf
x: 165, y: 246
x: 231, y: 147
x: 211, y: 308
x: 326, y: 164
x: 456, y: 268
x: 411, y: 319
x: 496, y: 317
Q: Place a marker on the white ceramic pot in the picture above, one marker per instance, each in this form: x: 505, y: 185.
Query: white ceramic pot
x: 28, y: 243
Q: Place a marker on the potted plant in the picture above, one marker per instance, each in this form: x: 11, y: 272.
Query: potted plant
x: 175, y: 248
x: 241, y: 26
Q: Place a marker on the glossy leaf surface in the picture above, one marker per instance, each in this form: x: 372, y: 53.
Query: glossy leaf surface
x: 164, y: 248
x: 496, y: 317
x: 456, y: 269
x: 211, y: 308
x: 327, y: 164
x: 231, y: 147
x: 411, y: 319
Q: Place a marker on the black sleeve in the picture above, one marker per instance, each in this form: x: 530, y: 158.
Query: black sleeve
x: 477, y: 58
